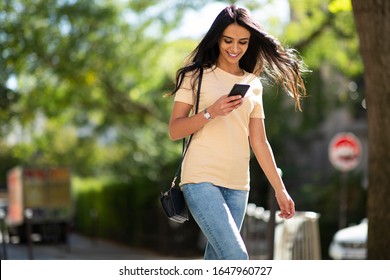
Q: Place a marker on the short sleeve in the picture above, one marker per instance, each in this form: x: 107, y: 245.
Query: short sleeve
x: 258, y: 110
x: 185, y: 92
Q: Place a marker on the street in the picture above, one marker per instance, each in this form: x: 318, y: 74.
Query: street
x: 78, y: 248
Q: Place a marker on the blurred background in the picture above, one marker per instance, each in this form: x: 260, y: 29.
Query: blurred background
x: 83, y: 108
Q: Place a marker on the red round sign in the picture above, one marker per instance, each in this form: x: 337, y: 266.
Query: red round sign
x: 345, y: 151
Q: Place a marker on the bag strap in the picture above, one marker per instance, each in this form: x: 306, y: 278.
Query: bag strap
x: 185, y: 146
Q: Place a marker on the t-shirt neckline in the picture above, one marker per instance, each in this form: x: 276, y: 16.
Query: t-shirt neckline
x: 227, y: 73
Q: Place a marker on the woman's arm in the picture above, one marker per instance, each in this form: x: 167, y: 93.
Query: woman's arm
x: 265, y: 157
x: 181, y: 124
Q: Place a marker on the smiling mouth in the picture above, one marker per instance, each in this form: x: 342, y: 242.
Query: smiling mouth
x: 233, y: 54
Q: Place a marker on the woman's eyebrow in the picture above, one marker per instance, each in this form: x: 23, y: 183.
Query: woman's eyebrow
x: 228, y: 37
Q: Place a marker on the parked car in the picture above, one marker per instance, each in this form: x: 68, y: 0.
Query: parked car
x: 350, y: 243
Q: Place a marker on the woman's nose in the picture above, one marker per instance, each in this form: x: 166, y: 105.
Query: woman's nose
x: 235, y: 47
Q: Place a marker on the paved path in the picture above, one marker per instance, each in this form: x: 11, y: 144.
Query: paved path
x: 79, y: 248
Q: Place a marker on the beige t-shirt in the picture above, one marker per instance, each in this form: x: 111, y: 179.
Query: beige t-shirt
x: 219, y: 152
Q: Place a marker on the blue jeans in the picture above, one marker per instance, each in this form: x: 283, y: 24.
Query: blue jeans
x: 219, y: 212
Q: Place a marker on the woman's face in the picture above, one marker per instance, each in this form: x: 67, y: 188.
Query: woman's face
x: 233, y: 44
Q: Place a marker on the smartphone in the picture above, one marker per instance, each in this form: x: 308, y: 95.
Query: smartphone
x: 239, y: 89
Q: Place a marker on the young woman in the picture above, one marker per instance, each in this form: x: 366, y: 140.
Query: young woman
x: 215, y: 171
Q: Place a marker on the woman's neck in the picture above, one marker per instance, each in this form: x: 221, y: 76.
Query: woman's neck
x: 233, y: 69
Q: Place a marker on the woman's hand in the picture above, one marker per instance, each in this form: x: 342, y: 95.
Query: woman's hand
x: 224, y: 105
x: 286, y: 204
x: 182, y: 125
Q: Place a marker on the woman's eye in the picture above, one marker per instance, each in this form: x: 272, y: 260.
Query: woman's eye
x: 228, y: 41
x: 244, y: 42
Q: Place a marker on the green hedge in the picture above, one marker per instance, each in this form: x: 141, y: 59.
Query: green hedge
x: 131, y: 213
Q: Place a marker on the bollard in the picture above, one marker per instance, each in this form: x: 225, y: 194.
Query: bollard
x: 3, y: 245
x: 28, y: 213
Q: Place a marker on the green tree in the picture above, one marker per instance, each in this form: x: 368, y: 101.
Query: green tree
x: 88, y: 71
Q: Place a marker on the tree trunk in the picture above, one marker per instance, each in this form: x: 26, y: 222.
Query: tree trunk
x: 372, y: 19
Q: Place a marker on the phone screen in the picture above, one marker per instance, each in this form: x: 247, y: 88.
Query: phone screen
x: 239, y: 89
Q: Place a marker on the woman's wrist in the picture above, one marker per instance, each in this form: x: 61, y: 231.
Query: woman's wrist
x: 207, y: 114
x: 211, y: 111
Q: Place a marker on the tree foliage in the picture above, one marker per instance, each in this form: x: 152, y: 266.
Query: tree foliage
x: 90, y: 72
x: 99, y: 70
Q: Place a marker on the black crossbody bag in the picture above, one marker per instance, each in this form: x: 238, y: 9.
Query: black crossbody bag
x: 172, y: 200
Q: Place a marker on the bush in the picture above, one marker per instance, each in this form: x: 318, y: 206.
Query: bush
x: 130, y: 212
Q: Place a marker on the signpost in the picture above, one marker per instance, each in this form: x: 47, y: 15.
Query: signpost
x: 344, y: 153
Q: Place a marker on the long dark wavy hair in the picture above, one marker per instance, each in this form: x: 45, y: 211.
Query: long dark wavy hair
x: 265, y: 54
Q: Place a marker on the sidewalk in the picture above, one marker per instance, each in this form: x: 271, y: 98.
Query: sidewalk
x: 81, y: 248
